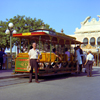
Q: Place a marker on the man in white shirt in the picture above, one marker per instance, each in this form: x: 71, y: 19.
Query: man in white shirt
x: 89, y: 64
x: 33, y: 62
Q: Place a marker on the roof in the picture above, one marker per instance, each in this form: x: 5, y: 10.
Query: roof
x: 45, y: 35
x: 89, y: 26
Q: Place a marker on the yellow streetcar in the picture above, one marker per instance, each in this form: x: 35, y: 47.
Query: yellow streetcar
x: 49, y: 64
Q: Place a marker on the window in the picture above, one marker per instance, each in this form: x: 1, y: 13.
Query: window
x: 92, y: 41
x: 98, y: 41
x: 85, y: 41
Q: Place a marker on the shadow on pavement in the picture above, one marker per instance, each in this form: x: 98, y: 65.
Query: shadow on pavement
x: 63, y: 76
x: 95, y: 72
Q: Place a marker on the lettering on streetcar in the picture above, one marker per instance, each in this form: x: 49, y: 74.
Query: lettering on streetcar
x: 26, y: 34
x: 23, y: 59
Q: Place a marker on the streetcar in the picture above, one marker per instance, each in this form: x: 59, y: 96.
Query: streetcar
x: 47, y: 40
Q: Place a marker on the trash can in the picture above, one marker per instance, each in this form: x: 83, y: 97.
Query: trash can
x: 8, y: 62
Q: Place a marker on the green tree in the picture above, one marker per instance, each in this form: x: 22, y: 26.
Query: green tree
x: 21, y: 24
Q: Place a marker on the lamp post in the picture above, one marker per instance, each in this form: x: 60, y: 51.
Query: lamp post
x: 11, y: 31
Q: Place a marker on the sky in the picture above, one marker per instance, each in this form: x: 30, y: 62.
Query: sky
x: 59, y: 14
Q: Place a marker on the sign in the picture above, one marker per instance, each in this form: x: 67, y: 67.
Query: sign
x: 21, y: 63
x: 25, y: 34
x: 52, y: 33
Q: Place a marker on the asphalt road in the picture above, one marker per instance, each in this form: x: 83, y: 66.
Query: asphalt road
x: 64, y: 87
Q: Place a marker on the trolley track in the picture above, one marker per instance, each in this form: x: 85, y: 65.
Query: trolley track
x: 24, y: 79
x: 12, y: 81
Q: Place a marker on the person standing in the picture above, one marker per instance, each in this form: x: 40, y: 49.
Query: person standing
x: 68, y: 53
x: 79, y: 59
x: 4, y: 59
x: 81, y: 52
x: 89, y: 64
x: 1, y: 57
x: 33, y: 62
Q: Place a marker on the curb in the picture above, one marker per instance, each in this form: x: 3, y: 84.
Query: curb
x: 24, y: 75
x: 96, y: 67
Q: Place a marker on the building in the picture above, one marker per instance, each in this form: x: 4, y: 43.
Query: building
x: 89, y: 34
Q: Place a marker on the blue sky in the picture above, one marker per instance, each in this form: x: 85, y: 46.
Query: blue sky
x: 66, y: 14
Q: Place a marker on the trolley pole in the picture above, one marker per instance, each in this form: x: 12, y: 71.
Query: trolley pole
x: 11, y: 46
x: 39, y: 42
x: 97, y: 56
x: 50, y: 48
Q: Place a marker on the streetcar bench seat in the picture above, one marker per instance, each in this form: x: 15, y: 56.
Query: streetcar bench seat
x: 46, y: 57
x: 71, y: 57
x: 23, y: 55
x: 53, y: 57
x: 43, y: 57
x: 64, y: 57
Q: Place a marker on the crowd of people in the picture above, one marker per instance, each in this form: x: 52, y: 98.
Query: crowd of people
x: 2, y: 58
x: 84, y: 61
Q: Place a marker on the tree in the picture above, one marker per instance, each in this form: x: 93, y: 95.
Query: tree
x: 21, y: 24
x: 3, y: 37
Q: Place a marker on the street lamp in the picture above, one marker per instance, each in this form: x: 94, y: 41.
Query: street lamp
x: 11, y: 31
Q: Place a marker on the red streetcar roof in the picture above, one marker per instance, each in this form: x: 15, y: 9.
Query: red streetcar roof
x: 29, y: 34
x: 45, y: 36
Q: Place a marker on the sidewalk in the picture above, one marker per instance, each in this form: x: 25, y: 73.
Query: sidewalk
x: 9, y: 73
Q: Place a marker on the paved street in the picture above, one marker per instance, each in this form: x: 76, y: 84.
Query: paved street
x: 65, y: 87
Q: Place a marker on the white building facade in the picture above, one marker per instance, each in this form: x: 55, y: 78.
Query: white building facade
x: 89, y: 34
